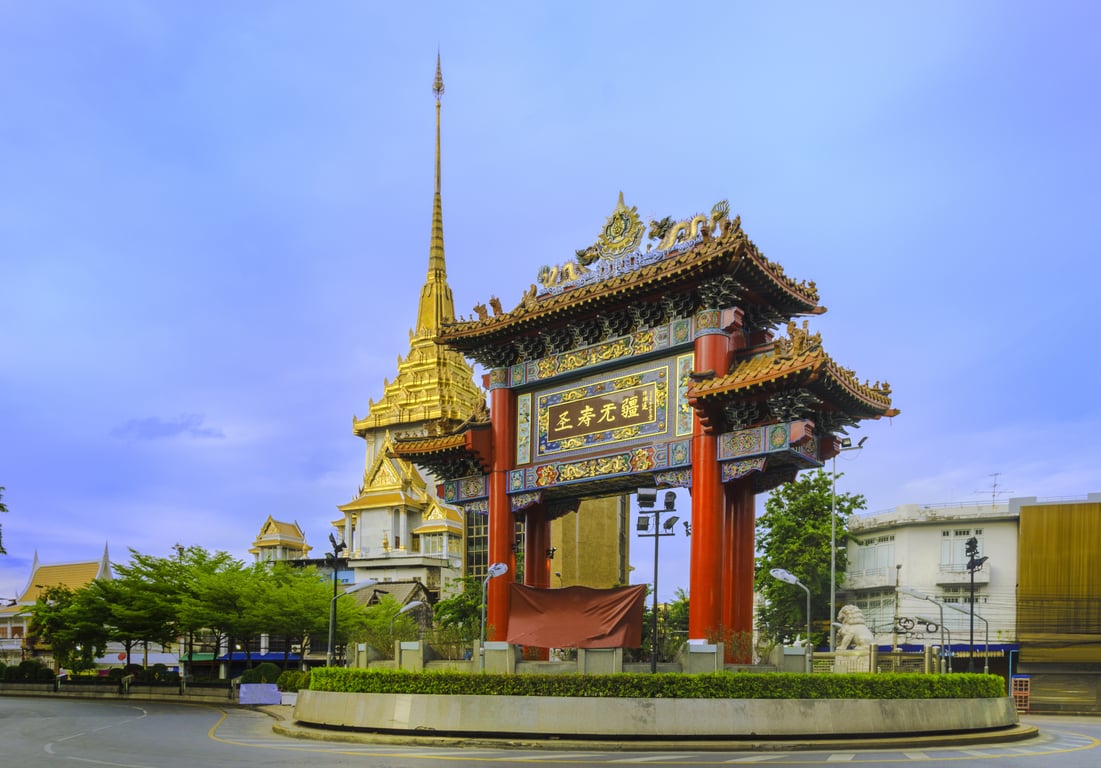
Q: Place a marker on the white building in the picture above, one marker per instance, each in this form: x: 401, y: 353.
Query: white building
x: 923, y: 548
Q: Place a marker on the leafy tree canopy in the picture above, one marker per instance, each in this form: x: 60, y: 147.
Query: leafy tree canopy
x: 794, y: 534
x: 462, y: 612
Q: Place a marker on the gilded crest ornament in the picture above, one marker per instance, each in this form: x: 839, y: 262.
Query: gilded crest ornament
x: 622, y: 233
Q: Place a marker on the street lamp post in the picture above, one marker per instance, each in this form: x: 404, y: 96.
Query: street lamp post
x: 404, y: 609
x: 332, y: 614
x: 974, y: 563
x: 334, y: 561
x: 986, y: 646
x: 647, y: 497
x: 846, y: 445
x: 784, y: 576
x: 495, y: 570
x: 940, y: 606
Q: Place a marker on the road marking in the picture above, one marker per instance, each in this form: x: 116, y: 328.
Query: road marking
x: 757, y: 758
x: 841, y: 757
x: 437, y: 753
x: 916, y: 755
x: 651, y: 758
x: 555, y: 757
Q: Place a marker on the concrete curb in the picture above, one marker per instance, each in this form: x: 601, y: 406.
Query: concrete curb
x: 285, y: 725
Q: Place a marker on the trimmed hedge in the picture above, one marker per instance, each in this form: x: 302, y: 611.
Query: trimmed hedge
x: 293, y: 681
x: 715, y: 685
x: 29, y: 671
x: 266, y: 672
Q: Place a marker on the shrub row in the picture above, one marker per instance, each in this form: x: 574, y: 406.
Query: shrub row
x: 266, y: 672
x: 293, y: 681
x: 30, y: 671
x: 717, y: 685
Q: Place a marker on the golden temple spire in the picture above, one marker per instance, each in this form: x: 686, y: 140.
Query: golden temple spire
x: 433, y: 382
x: 436, y: 305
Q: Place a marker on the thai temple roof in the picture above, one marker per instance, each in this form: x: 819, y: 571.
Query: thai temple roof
x: 275, y: 533
x: 71, y: 575
x: 390, y: 481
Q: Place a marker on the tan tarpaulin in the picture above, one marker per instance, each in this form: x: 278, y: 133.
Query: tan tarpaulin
x: 576, y: 617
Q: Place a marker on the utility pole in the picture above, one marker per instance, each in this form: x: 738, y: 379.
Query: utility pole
x: 334, y: 561
x: 974, y: 563
x: 894, y: 627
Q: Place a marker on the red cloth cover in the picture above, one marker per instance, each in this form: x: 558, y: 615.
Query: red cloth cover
x: 576, y: 617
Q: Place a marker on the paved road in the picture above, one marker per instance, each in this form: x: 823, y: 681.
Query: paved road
x: 36, y: 733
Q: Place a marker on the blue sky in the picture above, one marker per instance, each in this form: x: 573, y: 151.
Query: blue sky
x: 214, y: 224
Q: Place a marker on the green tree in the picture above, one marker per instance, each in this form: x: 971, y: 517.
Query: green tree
x: 298, y: 605
x: 215, y: 603
x: 672, y: 626
x: 70, y: 622
x: 460, y: 616
x: 794, y: 534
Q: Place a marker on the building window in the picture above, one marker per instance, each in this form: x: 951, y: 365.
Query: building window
x: 878, y: 609
x: 953, y: 548
x: 477, y: 544
x: 431, y: 544
x: 874, y: 556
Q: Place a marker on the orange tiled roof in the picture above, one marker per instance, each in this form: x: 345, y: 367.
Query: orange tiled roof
x: 795, y: 364
x: 72, y: 575
x: 730, y: 253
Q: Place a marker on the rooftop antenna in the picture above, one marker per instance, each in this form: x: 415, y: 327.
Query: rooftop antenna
x: 994, y: 492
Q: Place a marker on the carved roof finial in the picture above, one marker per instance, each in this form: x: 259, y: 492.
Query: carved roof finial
x: 437, y: 86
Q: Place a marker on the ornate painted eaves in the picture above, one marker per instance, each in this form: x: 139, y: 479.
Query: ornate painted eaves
x: 466, y: 450
x: 722, y: 267
x: 790, y: 378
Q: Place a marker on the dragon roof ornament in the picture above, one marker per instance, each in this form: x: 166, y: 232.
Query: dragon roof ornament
x: 617, y: 247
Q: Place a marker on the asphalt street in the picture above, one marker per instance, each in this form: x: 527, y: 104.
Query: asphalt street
x: 39, y: 732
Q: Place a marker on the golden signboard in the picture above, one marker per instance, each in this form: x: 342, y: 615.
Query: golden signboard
x: 609, y: 410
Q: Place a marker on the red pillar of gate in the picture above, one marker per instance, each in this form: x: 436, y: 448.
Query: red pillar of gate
x: 741, y: 504
x: 536, y: 564
x: 712, y: 353
x: 730, y: 569
x: 536, y: 543
x: 502, y: 522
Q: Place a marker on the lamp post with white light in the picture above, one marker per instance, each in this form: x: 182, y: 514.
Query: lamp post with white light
x: 333, y: 559
x: 647, y: 498
x: 787, y: 578
x: 846, y: 445
x: 922, y: 596
x: 332, y: 614
x: 495, y: 570
x: 986, y: 660
x: 974, y: 563
x: 404, y: 609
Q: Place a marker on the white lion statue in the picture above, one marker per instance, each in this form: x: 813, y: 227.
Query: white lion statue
x: 853, y: 629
